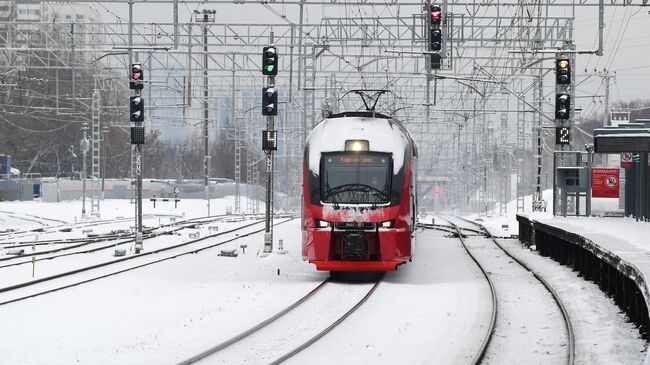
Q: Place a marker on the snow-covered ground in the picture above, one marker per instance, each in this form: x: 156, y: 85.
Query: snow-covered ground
x: 432, y: 310
x: 35, y: 214
x: 603, y: 333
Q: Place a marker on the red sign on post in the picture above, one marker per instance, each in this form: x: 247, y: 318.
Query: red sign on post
x: 604, y: 183
x: 626, y: 159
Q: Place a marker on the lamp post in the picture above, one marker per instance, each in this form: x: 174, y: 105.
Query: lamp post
x: 205, y: 16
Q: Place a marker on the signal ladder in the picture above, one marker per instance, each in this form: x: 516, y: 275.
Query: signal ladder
x: 95, y: 149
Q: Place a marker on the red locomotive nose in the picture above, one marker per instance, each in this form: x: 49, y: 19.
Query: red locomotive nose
x: 359, y: 193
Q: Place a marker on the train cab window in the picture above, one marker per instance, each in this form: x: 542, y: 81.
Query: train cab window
x: 356, y: 178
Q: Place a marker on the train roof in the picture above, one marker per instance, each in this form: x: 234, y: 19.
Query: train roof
x: 360, y: 114
x: 384, y: 134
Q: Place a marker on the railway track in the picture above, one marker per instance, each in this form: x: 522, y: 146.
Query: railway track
x: 65, y: 226
x: 72, y: 245
x: 570, y: 358
x: 49, y: 284
x: 53, y: 228
x: 31, y: 218
x: 480, y: 354
x: 283, y: 335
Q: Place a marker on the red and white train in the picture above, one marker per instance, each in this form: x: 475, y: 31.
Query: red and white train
x: 359, y: 193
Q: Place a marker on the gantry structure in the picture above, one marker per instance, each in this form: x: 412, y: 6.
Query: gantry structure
x: 479, y: 120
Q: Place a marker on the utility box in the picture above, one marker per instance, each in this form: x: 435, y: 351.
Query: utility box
x: 572, y: 183
x: 573, y: 179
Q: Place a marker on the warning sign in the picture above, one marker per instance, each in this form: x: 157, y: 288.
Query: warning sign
x: 626, y: 159
x: 604, y: 183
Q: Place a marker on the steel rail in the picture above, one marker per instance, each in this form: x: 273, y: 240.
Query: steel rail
x: 67, y: 241
x: 50, y: 229
x: 478, y: 357
x: 104, y: 237
x: 190, y: 223
x: 324, y: 332
x: 277, y: 316
x: 549, y: 288
x: 253, y: 329
x: 103, y: 264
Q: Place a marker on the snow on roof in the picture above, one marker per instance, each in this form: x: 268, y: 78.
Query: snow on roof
x: 626, y: 135
x: 383, y: 135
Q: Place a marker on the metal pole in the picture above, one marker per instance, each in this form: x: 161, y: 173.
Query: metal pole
x: 235, y: 125
x: 606, y: 113
x: 103, y: 153
x: 590, y: 160
x: 268, y: 223
x: 72, y: 66
x: 132, y: 149
x: 606, y: 79
x: 304, y: 111
x: 537, y: 202
x: 643, y: 168
x: 293, y: 28
x: 206, y: 160
x: 138, y: 173
x: 554, y: 182
x: 601, y: 25
x: 175, y: 5
x: 84, y: 150
x: 428, y: 58
x: 300, y: 23
x: 137, y: 169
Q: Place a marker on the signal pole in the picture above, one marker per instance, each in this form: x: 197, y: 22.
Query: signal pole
x: 564, y: 117
x: 269, y: 136
x: 136, y: 115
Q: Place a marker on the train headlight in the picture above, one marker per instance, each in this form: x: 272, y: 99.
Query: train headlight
x: 356, y: 145
x: 387, y: 224
x: 322, y: 224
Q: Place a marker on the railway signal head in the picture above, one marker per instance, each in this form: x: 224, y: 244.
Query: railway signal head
x: 436, y: 61
x: 269, y: 101
x: 436, y: 39
x: 270, y: 61
x: 137, y: 135
x: 269, y: 140
x: 436, y: 14
x: 136, y: 109
x: 562, y: 106
x: 137, y: 77
x: 562, y: 71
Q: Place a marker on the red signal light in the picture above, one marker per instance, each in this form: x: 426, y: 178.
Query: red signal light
x: 137, y: 77
x: 436, y: 14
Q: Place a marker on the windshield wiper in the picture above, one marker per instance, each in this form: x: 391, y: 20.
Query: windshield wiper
x: 356, y: 193
x: 328, y: 192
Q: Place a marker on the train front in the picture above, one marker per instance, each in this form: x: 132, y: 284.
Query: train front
x: 359, y: 198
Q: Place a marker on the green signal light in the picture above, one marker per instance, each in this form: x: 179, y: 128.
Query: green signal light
x: 269, y: 68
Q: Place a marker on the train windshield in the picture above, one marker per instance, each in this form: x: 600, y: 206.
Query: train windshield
x: 356, y: 178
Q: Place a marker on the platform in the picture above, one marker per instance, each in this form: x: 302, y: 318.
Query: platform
x: 612, y: 252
